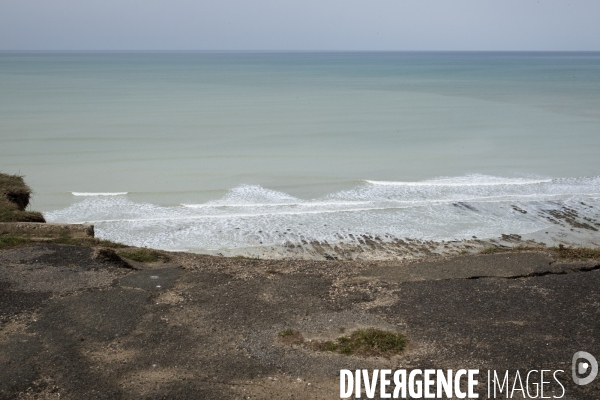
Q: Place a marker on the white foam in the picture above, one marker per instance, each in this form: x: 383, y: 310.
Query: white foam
x: 90, y: 194
x: 233, y: 205
x: 468, y: 180
x: 252, y: 194
x: 296, y: 204
x: 250, y: 215
x: 231, y: 216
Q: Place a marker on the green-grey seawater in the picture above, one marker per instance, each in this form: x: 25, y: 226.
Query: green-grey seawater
x: 202, y: 151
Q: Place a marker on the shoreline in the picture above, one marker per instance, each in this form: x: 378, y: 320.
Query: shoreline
x: 565, y: 231
x: 255, y: 221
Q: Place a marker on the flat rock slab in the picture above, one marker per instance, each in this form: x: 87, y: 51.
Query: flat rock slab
x: 211, y: 331
x: 55, y: 269
x: 47, y: 230
x: 152, y: 279
x: 505, y: 265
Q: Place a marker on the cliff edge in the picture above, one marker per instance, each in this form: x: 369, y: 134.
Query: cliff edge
x: 14, y: 199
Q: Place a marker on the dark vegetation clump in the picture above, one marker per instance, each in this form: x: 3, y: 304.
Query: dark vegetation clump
x: 561, y: 251
x: 576, y: 253
x: 363, y: 342
x: 514, y: 249
x: 88, y: 242
x: 366, y: 342
x: 143, y: 255
x: 290, y: 336
x: 14, y: 199
x: 14, y: 189
x: 8, y: 241
x: 14, y: 240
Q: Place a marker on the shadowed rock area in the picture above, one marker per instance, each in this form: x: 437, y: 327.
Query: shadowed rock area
x: 74, y: 325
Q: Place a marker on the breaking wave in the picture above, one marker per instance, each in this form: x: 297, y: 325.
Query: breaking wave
x: 87, y: 194
x: 250, y: 215
x: 469, y: 180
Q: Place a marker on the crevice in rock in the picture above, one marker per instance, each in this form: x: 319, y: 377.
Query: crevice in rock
x: 587, y: 268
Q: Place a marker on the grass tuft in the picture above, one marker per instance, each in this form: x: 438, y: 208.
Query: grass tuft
x: 88, y: 242
x: 576, y: 253
x: 366, y: 342
x: 561, y: 251
x: 14, y: 198
x: 514, y: 249
x: 493, y: 250
x: 13, y: 188
x: 242, y: 257
x: 290, y: 336
x: 8, y: 241
x: 142, y: 255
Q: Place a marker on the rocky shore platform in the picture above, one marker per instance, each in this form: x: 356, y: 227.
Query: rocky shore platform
x: 78, y: 322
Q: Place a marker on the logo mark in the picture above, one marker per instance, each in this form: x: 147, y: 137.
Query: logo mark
x: 582, y: 367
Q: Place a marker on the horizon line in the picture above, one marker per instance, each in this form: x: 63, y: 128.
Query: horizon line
x: 282, y: 51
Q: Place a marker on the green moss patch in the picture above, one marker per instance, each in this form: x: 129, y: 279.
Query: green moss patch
x: 290, y: 336
x: 363, y: 342
x: 14, y: 189
x: 576, y: 253
x: 9, y: 212
x: 562, y: 251
x: 143, y: 255
x: 14, y: 198
x: 8, y: 241
x: 88, y: 242
x: 514, y: 249
x: 366, y: 342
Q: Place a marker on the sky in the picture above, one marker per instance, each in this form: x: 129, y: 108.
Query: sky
x: 544, y: 25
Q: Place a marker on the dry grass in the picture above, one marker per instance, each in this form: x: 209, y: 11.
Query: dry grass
x: 14, y: 240
x: 514, y: 249
x: 10, y: 212
x: 363, y: 342
x: 562, y: 252
x: 143, y: 255
x: 14, y: 187
x: 9, y: 241
x: 290, y: 336
x: 14, y: 198
x: 88, y: 242
x: 576, y: 253
x: 366, y: 342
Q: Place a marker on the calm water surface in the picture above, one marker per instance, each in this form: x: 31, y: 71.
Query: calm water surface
x: 219, y: 150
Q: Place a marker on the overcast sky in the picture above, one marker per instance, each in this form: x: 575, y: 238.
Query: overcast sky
x: 300, y: 25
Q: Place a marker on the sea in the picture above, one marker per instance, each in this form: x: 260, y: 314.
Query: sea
x: 216, y: 151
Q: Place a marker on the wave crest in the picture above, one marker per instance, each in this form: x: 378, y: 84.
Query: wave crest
x: 468, y: 180
x: 92, y: 194
x: 251, y: 215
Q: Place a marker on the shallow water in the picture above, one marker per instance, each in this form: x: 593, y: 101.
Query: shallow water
x: 221, y: 150
x: 442, y: 209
